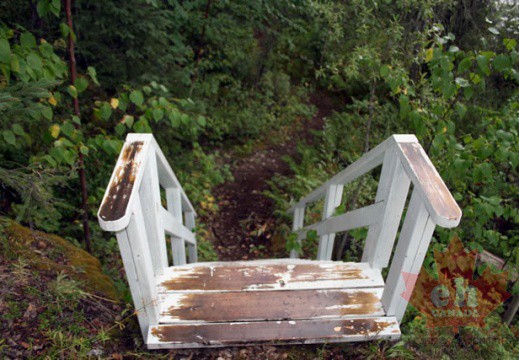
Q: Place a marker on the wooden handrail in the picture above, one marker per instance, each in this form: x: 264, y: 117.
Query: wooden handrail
x: 116, y: 206
x: 437, y: 198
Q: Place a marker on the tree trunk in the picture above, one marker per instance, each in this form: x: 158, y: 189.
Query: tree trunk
x: 77, y: 112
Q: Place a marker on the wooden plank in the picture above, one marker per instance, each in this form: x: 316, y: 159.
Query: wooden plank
x: 178, y: 245
x: 392, y: 193
x: 136, y: 258
x: 192, y: 253
x: 409, y: 255
x: 268, y: 275
x: 133, y: 281
x: 175, y: 228
x: 149, y: 195
x: 437, y: 198
x: 353, y: 219
x: 299, y: 219
x: 333, y: 199
x: 278, y: 332
x: 174, y: 202
x: 270, y: 305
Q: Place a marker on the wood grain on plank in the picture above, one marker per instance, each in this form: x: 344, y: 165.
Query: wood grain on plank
x: 244, y: 333
x: 116, y: 201
x: 269, y: 305
x: 289, y: 275
x: 445, y: 210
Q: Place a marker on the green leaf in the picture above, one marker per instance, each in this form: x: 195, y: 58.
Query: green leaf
x: 81, y: 84
x: 68, y: 156
x: 67, y: 129
x: 76, y: 119
x: 462, y: 82
x: 28, y: 40
x: 120, y: 129
x: 55, y: 7
x: 43, y: 7
x: 34, y: 62
x: 468, y: 92
x: 9, y: 137
x: 72, y: 91
x: 5, y: 51
x: 509, y: 43
x: 158, y: 114
x: 142, y: 126
x: 185, y: 119
x: 93, y: 74
x: 174, y: 119
x: 84, y: 149
x: 384, y: 71
x: 128, y: 121
x: 104, y: 112
x: 501, y: 62
x: 65, y: 30
x: 136, y: 97
x: 482, y: 63
x: 465, y: 64
x: 15, y: 63
x: 18, y: 130
x: 461, y: 109
x: 47, y: 112
x: 201, y: 121
x: 429, y: 53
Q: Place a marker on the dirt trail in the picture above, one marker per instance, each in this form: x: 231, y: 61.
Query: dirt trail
x: 244, y: 224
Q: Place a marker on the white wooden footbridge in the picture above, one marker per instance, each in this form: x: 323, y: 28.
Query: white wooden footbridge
x: 190, y: 304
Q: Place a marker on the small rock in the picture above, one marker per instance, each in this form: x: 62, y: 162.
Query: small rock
x: 95, y: 352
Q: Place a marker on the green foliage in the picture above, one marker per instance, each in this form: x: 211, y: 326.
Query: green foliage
x: 493, y: 341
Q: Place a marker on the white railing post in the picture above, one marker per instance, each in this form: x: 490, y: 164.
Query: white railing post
x: 332, y: 200
x: 299, y: 219
x: 149, y: 195
x: 191, y: 248
x: 410, y: 252
x: 136, y: 256
x: 392, y: 191
x: 178, y: 245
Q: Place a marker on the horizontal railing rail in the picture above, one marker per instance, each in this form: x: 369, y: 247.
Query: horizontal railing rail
x: 135, y: 209
x: 404, y: 163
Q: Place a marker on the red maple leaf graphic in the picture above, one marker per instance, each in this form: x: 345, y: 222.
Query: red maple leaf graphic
x: 456, y: 298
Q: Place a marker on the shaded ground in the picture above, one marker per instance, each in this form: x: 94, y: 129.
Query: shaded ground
x: 243, y: 227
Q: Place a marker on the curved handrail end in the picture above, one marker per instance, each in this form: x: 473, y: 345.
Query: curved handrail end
x: 115, y: 210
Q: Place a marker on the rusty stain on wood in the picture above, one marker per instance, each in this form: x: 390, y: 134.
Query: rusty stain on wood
x: 256, y: 277
x: 115, y: 203
x: 273, y: 305
x: 280, y: 331
x: 435, y: 189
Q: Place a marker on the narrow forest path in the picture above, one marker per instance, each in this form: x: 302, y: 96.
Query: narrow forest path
x: 244, y: 224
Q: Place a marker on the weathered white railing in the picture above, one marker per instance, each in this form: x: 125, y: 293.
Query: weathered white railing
x: 133, y: 208
x: 403, y: 162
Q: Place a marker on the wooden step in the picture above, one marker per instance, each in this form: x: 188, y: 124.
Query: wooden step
x: 268, y: 275
x: 281, y: 301
x: 269, y: 305
x: 274, y: 332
